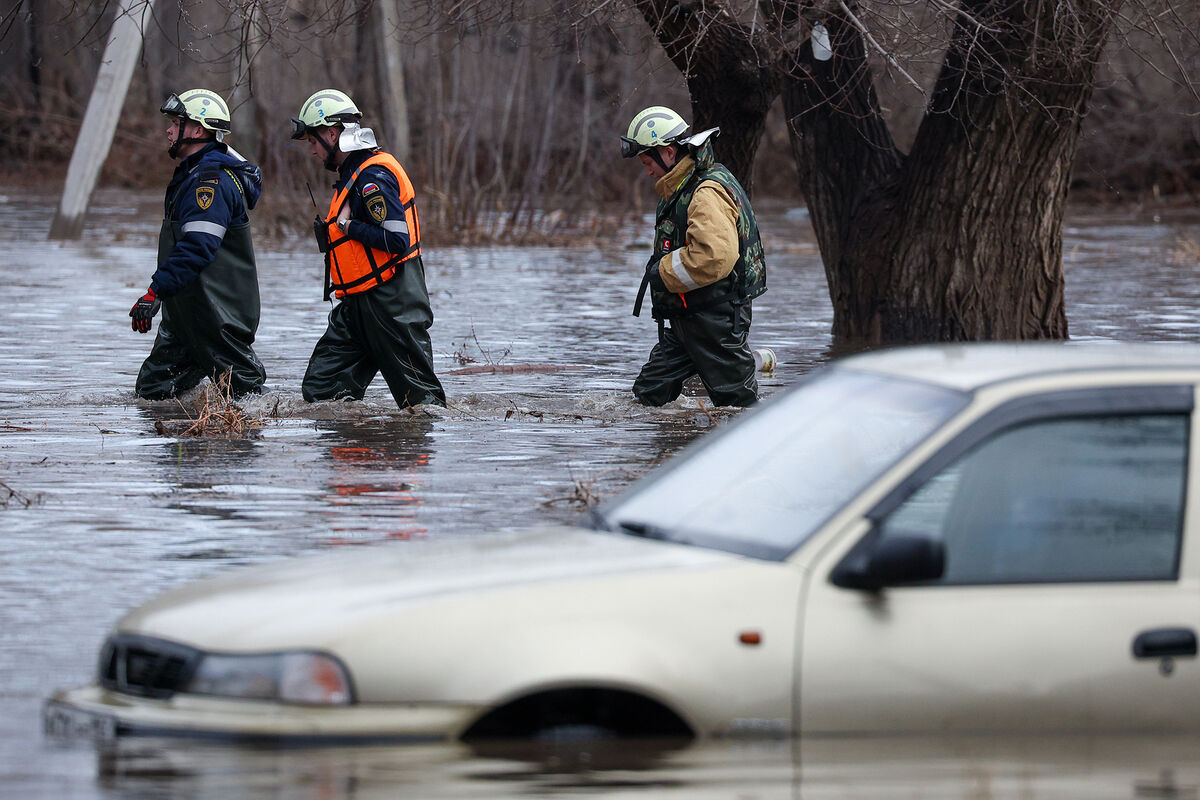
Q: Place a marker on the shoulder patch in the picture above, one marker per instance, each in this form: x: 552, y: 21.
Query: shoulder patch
x: 204, y: 197
x: 378, y: 208
x: 370, y: 188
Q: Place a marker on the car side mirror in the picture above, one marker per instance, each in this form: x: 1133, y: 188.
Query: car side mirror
x: 879, y: 561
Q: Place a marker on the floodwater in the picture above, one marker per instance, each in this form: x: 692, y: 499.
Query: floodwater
x: 99, y: 512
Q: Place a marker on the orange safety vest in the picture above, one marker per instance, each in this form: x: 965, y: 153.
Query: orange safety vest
x: 351, y: 266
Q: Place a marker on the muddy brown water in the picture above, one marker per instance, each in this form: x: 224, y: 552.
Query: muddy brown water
x: 99, y: 512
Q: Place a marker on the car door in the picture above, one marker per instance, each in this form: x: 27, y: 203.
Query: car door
x: 1066, y: 599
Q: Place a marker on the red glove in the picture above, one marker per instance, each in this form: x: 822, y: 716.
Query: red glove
x: 144, y: 310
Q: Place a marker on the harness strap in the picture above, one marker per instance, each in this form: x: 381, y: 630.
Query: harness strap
x: 732, y: 296
x: 666, y: 213
x: 641, y: 295
x: 377, y: 270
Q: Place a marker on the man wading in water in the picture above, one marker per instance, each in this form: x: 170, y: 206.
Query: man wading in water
x: 207, y: 282
x: 706, y: 267
x: 371, y: 239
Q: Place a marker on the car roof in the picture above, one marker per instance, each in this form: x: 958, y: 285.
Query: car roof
x: 970, y: 366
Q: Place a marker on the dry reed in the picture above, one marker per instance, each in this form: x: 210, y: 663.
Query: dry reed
x: 1186, y: 252
x: 215, y: 414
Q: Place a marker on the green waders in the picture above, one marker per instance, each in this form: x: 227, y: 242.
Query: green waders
x: 708, y: 330
x: 207, y: 328
x: 708, y: 344
x: 384, y: 329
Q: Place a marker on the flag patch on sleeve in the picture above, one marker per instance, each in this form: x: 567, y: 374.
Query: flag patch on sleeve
x: 370, y: 188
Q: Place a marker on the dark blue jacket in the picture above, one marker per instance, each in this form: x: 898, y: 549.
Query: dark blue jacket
x: 209, y: 192
x: 389, y: 234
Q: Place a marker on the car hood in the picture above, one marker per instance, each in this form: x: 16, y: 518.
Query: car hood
x: 285, y: 603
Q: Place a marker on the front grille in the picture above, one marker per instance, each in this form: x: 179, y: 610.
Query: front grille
x: 145, y: 666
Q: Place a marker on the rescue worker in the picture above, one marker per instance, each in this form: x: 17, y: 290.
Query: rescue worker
x: 706, y: 267
x: 371, y: 239
x: 206, y: 282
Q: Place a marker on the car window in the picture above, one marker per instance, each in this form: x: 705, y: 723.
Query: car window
x: 763, y: 485
x: 1087, y: 499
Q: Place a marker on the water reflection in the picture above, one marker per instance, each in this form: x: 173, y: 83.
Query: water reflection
x: 122, y: 513
x: 201, y: 464
x: 381, y: 468
x: 978, y: 768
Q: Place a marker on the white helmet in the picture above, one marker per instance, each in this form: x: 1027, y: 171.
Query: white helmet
x: 323, y: 108
x: 200, y: 105
x: 652, y: 127
x: 329, y: 107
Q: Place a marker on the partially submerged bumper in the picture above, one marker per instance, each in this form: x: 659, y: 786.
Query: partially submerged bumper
x: 95, y: 712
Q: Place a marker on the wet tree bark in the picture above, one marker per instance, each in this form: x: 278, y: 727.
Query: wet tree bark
x: 962, y: 238
x: 847, y: 167
x: 730, y: 76
x: 33, y: 48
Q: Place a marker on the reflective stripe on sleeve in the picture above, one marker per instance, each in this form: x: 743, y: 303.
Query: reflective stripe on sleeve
x: 395, y: 226
x: 675, y: 265
x: 211, y: 228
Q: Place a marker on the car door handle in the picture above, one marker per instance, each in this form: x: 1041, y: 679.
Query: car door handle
x: 1164, y: 642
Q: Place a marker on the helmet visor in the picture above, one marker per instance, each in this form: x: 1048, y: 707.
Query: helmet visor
x: 299, y: 129
x: 632, y: 147
x: 173, y: 107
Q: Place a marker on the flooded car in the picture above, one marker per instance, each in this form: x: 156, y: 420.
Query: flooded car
x: 932, y: 539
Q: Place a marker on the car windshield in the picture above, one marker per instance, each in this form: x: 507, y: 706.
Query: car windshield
x: 766, y: 483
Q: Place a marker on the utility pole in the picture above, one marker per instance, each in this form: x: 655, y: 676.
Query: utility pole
x: 100, y: 118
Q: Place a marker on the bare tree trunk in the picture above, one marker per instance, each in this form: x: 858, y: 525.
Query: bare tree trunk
x: 247, y: 109
x: 961, y: 239
x: 846, y: 162
x: 392, y: 97
x: 100, y: 118
x: 34, y: 59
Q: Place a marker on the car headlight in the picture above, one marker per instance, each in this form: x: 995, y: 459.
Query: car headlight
x: 301, y: 677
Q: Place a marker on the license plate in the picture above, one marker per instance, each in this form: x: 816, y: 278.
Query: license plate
x: 63, y: 722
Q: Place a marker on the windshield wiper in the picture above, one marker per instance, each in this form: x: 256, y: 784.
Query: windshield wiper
x: 646, y: 530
